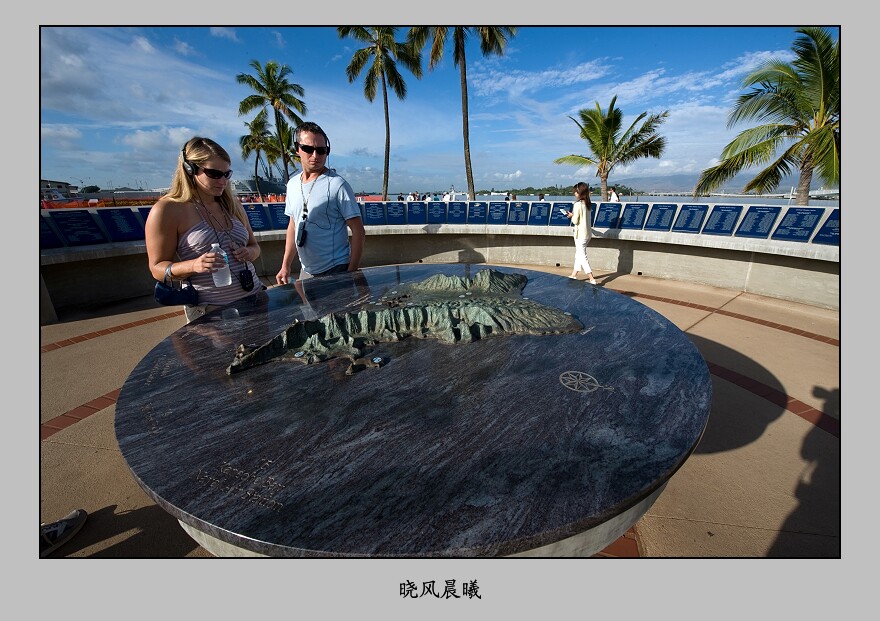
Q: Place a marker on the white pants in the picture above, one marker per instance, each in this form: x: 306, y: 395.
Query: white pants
x: 580, y: 256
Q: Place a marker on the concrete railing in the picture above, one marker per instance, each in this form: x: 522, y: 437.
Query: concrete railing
x: 805, y: 272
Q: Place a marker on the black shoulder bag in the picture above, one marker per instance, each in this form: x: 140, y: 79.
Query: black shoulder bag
x: 167, y: 295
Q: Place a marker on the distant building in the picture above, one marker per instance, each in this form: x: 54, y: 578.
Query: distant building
x: 51, y: 189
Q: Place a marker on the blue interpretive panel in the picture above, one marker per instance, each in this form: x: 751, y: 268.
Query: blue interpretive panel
x: 830, y: 231
x: 496, y: 213
x: 722, y: 219
x: 395, y: 213
x: 144, y: 211
x: 436, y: 212
x: 557, y: 214
x: 660, y: 218
x: 121, y: 224
x: 257, y: 216
x: 478, y: 212
x: 798, y: 224
x: 690, y: 219
x: 277, y: 217
x: 416, y: 212
x: 634, y: 215
x: 456, y: 213
x: 374, y: 213
x: 77, y: 227
x: 518, y: 212
x: 48, y: 238
x: 608, y: 216
x: 539, y: 214
x: 758, y: 222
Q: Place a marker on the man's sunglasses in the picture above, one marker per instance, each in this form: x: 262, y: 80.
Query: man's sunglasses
x: 217, y: 174
x: 310, y: 149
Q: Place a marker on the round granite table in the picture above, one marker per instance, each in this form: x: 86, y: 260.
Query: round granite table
x: 483, y: 439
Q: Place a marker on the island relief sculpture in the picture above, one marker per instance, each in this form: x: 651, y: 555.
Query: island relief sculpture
x: 451, y: 309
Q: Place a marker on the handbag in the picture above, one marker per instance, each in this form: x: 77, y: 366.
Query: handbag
x: 167, y: 295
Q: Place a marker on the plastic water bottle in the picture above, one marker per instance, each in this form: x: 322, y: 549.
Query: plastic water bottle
x: 222, y: 277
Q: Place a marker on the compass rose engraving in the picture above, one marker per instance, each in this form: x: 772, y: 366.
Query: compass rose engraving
x: 579, y: 381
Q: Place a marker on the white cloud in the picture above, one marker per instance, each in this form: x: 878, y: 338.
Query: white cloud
x: 224, y: 33
x: 488, y: 80
x: 140, y: 44
x: 279, y: 39
x: 183, y: 48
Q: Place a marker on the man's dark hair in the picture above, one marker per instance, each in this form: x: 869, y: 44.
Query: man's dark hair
x: 313, y: 128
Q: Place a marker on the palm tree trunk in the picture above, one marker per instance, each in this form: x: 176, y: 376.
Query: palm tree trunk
x: 256, y: 178
x: 465, y: 132
x: 387, y: 140
x: 281, y: 145
x: 804, y: 181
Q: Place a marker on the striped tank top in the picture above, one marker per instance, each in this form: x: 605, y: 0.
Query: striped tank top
x: 197, y: 241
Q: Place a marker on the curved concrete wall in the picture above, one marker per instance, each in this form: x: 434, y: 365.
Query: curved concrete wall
x: 800, y: 272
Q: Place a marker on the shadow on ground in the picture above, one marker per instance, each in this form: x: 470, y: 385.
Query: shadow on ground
x: 146, y: 532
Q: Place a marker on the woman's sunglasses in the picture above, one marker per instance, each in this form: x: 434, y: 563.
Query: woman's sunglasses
x: 217, y: 174
x: 308, y: 149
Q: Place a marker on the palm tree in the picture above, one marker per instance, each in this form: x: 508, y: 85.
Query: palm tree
x: 273, y: 90
x: 284, y: 146
x: 493, y: 40
x: 257, y: 140
x: 609, y: 147
x: 385, y: 53
x: 799, y: 104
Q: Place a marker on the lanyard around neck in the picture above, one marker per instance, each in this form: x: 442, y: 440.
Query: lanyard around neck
x: 302, y: 191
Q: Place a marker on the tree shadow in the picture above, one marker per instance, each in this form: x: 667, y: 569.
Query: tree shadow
x: 470, y: 255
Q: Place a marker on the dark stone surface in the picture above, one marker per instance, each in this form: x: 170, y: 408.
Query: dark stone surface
x: 395, y: 212
x: 722, y: 220
x: 48, y: 237
x: 758, y: 222
x: 258, y: 216
x: 470, y: 449
x: 830, y: 231
x: 557, y: 217
x: 436, y: 212
x: 121, y: 224
x: 539, y: 214
x: 690, y: 219
x: 78, y: 227
x: 661, y: 217
x: 798, y: 224
x: 634, y: 215
x: 608, y: 216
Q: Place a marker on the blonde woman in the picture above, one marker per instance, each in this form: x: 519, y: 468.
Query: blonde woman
x: 199, y: 210
x: 580, y: 219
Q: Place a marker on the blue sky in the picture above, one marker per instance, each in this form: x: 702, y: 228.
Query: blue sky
x: 117, y: 103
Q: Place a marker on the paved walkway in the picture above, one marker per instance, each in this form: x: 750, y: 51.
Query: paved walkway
x: 763, y: 482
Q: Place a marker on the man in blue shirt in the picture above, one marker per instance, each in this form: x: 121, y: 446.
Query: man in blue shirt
x: 322, y: 208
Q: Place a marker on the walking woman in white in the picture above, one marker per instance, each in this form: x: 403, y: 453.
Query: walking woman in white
x: 580, y: 219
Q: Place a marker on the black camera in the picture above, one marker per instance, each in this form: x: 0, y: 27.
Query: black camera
x: 301, y: 233
x: 246, y: 279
